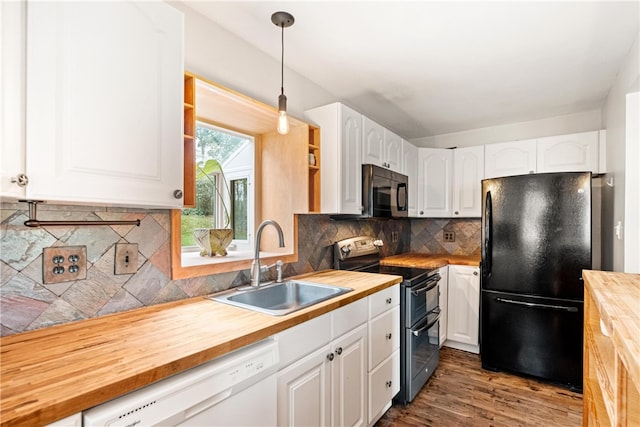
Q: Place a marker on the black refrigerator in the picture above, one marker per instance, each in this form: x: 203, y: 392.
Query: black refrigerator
x: 536, y: 240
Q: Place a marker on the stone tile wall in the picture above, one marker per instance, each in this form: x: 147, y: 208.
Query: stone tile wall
x: 427, y: 236
x: 26, y: 303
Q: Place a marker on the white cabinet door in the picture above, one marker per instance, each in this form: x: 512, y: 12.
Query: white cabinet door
x: 434, y: 185
x: 351, y: 172
x: 468, y: 172
x: 393, y: 146
x: 576, y: 152
x: 304, y: 391
x: 341, y: 157
x: 384, y: 335
x: 381, y: 147
x: 443, y: 301
x: 104, y: 100
x: 12, y: 101
x: 384, y: 383
x: 463, y: 307
x: 373, y: 144
x: 510, y: 158
x: 410, y: 155
x: 349, y: 378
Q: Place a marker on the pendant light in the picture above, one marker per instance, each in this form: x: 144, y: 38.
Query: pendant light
x: 282, y: 20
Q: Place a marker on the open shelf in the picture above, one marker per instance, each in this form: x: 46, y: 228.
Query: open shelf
x: 189, y: 186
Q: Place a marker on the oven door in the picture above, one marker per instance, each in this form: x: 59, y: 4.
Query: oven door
x: 423, y: 352
x: 420, y: 299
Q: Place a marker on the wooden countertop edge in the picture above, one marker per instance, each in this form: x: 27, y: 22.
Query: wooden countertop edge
x: 39, y: 411
x: 418, y: 260
x: 623, y: 334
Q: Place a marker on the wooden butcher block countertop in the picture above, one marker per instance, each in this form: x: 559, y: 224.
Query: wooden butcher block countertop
x: 430, y: 261
x: 617, y: 296
x: 51, y: 373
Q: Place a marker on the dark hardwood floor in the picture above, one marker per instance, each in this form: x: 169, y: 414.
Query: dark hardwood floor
x: 461, y: 393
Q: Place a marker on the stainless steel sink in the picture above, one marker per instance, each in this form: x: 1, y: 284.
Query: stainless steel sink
x: 282, y: 298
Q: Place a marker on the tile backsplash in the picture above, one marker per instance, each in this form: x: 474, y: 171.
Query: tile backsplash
x: 26, y: 303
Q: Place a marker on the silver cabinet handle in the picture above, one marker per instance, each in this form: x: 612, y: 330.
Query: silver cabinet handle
x: 388, y: 336
x: 388, y: 384
x: 475, y: 273
x: 389, y: 300
x: 330, y: 356
x: 177, y: 194
x: 339, y: 351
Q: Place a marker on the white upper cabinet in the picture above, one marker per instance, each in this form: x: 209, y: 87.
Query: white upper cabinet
x: 104, y: 102
x: 577, y: 152
x: 341, y: 158
x: 510, y: 158
x: 410, y: 167
x: 381, y: 147
x: 373, y: 149
x: 393, y: 149
x: 435, y: 167
x: 12, y: 84
x: 468, y: 171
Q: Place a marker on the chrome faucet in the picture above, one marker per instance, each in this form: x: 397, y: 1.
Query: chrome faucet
x: 255, y: 266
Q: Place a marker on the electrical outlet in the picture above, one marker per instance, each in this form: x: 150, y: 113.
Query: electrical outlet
x: 449, y: 236
x: 394, y: 236
x: 64, y: 264
x: 126, y: 261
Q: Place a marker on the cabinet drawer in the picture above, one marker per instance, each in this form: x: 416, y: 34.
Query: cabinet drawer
x: 384, y: 336
x: 296, y: 342
x: 383, y: 300
x: 348, y: 317
x: 384, y: 383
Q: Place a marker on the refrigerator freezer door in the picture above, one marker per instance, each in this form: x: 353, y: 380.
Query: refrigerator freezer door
x: 536, y: 234
x: 533, y: 336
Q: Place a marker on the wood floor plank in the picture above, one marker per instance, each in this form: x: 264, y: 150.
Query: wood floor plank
x: 461, y: 393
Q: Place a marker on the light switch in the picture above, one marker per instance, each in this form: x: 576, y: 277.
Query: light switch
x: 126, y: 261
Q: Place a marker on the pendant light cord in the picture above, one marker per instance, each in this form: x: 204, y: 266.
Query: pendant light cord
x: 282, y: 63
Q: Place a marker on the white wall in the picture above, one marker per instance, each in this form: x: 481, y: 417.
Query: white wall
x: 614, y: 121
x: 559, y: 125
x: 218, y: 55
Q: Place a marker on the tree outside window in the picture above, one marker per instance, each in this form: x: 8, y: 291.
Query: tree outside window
x: 209, y: 212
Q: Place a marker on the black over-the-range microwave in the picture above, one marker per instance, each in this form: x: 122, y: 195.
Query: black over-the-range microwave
x: 384, y: 192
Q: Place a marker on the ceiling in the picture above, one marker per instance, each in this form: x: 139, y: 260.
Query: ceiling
x: 424, y: 68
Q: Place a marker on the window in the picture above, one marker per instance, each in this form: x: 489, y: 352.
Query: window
x: 224, y: 176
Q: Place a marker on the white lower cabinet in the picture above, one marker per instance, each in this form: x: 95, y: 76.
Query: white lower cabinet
x: 349, y: 379
x: 328, y: 386
x: 304, y: 391
x: 463, y: 308
x: 442, y: 301
x: 384, y: 350
x: 342, y: 368
x: 384, y: 383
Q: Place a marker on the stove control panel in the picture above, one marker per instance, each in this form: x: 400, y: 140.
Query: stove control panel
x: 357, y: 246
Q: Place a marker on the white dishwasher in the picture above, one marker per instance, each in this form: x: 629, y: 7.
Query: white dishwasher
x: 237, y: 389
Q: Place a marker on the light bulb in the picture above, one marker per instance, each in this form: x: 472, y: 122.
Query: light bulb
x: 283, y: 123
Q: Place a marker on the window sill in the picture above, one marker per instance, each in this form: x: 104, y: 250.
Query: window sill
x: 190, y: 259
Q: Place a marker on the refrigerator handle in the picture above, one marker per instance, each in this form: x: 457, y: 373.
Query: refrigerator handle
x: 536, y: 305
x: 488, y: 238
